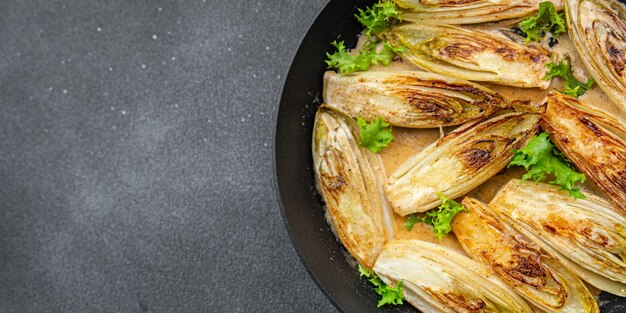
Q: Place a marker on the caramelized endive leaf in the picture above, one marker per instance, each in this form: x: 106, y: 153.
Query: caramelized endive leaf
x: 459, y: 162
x: 516, y: 260
x: 469, y: 54
x: 598, y: 30
x: 587, y: 235
x: 350, y: 181
x: 593, y: 141
x: 409, y: 98
x: 467, y: 11
x: 438, y: 279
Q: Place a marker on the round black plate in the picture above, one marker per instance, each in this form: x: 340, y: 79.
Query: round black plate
x: 302, y: 209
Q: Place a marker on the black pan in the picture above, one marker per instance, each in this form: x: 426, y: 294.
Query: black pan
x: 322, y: 255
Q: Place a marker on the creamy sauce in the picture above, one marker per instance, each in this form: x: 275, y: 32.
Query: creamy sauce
x: 408, y: 142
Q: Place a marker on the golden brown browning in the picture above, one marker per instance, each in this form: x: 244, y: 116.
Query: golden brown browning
x: 515, y: 259
x: 598, y: 30
x: 409, y: 98
x: 487, y: 240
x: 594, y: 142
x: 458, y: 301
x: 347, y: 179
x: 470, y: 54
x: 587, y: 235
x: 467, y: 11
x: 459, y: 162
x: 438, y: 279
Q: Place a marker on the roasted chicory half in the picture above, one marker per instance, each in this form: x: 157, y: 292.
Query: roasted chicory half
x: 409, y: 98
x: 587, y: 235
x: 470, y: 54
x: 438, y: 279
x: 592, y: 140
x: 350, y: 180
x: 598, y: 30
x: 467, y: 12
x: 459, y: 161
x: 520, y: 263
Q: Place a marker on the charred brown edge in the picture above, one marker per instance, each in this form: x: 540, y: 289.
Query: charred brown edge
x: 529, y: 267
x: 428, y: 103
x: 507, y: 49
x: 479, y: 126
x: 456, y: 300
x: 616, y: 189
x: 331, y: 186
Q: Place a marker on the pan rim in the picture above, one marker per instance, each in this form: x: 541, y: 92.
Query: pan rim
x: 280, y: 193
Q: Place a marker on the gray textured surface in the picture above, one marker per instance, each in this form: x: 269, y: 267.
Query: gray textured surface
x: 135, y: 156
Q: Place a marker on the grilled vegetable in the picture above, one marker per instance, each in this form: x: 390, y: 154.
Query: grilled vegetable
x: 598, y: 30
x: 593, y: 141
x: 587, y: 235
x: 438, y: 279
x: 516, y: 260
x: 471, y: 55
x: 349, y: 178
x: 410, y: 98
x: 459, y: 162
x: 466, y: 12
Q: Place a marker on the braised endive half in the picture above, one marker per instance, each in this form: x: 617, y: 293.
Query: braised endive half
x: 470, y: 54
x: 459, y: 161
x: 516, y: 260
x: 409, y: 98
x: 598, y: 30
x: 350, y: 180
x: 467, y: 12
x: 438, y: 279
x: 592, y: 140
x: 587, y: 235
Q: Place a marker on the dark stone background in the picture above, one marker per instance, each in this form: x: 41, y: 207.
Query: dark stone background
x: 136, y: 144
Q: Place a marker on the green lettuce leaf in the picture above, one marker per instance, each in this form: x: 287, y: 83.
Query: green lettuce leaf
x: 541, y: 158
x: 439, y: 218
x: 547, y: 19
x: 371, y: 54
x: 374, y: 136
x: 376, y: 18
x: 388, y: 294
x: 563, y: 69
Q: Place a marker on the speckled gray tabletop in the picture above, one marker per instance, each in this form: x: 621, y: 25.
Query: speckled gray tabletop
x: 136, y: 146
